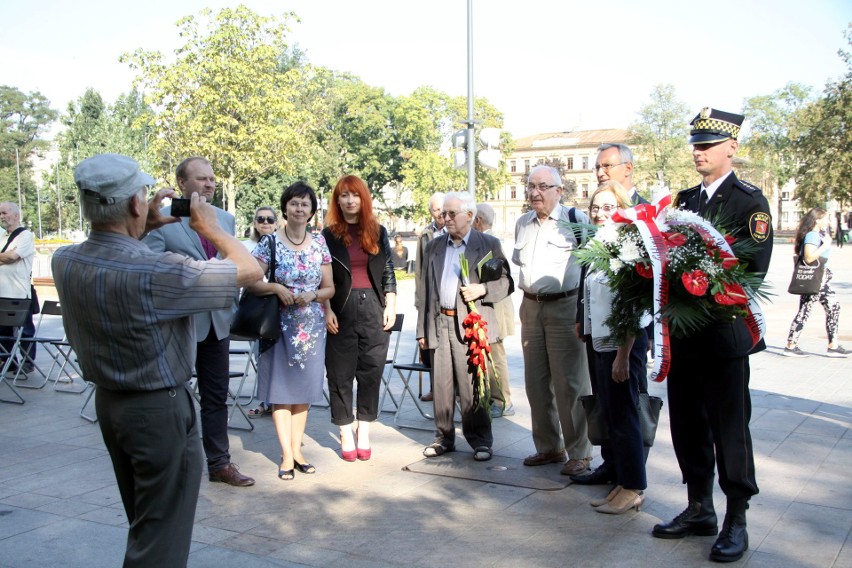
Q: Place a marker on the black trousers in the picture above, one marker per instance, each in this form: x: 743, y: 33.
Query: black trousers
x: 356, y: 353
x: 620, y: 405
x: 152, y: 439
x: 709, y: 411
x: 212, y: 364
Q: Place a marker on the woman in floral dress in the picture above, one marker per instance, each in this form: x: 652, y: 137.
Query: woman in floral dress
x: 290, y: 372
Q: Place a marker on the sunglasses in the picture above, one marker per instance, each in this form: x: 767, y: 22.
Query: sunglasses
x: 268, y: 220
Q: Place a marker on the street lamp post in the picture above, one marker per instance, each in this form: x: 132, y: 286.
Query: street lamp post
x: 471, y: 144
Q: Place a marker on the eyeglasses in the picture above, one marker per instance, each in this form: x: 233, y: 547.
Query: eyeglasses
x: 606, y: 167
x: 268, y: 220
x: 604, y: 208
x: 541, y: 187
x: 450, y: 214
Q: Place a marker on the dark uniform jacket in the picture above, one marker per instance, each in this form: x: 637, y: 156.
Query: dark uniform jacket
x: 743, y: 211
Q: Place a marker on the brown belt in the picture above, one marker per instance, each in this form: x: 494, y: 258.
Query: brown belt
x: 549, y: 297
x: 447, y: 312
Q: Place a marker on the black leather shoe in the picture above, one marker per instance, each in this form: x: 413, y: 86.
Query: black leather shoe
x: 231, y: 475
x: 604, y: 475
x: 695, y: 519
x: 733, y: 540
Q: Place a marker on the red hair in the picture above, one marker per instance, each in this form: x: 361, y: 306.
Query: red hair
x: 368, y: 226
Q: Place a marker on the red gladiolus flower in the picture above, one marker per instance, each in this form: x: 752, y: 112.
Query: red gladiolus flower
x: 733, y: 295
x: 644, y: 270
x: 695, y: 282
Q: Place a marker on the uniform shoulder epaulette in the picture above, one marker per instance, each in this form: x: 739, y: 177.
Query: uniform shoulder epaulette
x: 688, y: 189
x: 746, y: 187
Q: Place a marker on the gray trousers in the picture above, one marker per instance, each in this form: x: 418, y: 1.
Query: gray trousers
x: 450, y: 371
x: 500, y: 384
x: 152, y: 438
x: 556, y: 375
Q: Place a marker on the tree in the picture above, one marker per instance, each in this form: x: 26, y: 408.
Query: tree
x: 660, y: 138
x: 824, y: 146
x: 23, y: 118
x: 768, y: 145
x: 225, y: 97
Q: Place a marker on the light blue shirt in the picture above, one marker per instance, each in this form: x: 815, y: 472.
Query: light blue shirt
x: 451, y: 276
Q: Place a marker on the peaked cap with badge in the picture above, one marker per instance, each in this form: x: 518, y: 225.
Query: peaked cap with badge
x: 711, y: 125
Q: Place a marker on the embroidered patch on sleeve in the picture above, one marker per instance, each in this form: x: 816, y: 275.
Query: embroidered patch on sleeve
x: 759, y: 226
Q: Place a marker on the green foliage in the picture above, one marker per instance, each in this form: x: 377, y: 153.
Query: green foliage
x: 224, y: 97
x: 661, y: 132
x: 824, y: 145
x: 23, y: 118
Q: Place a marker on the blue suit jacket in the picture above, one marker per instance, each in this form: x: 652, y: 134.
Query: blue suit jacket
x: 180, y: 238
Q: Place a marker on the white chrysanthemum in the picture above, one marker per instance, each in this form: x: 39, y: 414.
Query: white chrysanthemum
x: 615, y: 265
x: 607, y: 234
x: 629, y: 252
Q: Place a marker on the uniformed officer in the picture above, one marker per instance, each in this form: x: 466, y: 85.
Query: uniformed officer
x: 709, y: 401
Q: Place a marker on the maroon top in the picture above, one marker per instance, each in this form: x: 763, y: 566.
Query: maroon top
x: 358, y: 260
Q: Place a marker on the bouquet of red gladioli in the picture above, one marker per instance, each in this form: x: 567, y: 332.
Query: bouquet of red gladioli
x: 478, y: 348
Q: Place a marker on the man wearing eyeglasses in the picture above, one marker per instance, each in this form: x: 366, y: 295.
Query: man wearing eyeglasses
x: 432, y: 230
x: 212, y: 329
x: 556, y: 374
x: 615, y: 163
x: 709, y: 401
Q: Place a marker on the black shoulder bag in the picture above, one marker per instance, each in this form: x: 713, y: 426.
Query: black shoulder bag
x: 258, y: 317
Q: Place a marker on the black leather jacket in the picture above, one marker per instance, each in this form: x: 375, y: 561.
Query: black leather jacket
x: 379, y: 269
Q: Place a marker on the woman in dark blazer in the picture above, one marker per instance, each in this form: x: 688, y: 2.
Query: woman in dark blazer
x: 359, y: 314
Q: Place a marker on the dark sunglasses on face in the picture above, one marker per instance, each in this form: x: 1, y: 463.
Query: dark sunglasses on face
x: 269, y: 220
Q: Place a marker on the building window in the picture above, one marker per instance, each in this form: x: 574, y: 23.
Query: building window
x: 785, y: 216
x: 785, y: 195
x: 526, y: 166
x: 514, y: 192
x: 513, y: 167
x: 585, y: 162
x: 569, y: 163
x: 585, y: 189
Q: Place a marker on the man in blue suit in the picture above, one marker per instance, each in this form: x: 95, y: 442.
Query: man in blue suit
x: 442, y: 297
x: 212, y: 329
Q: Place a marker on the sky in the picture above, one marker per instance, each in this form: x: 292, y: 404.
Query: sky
x: 548, y: 65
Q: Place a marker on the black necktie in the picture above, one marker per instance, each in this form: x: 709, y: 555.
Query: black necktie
x: 702, y: 201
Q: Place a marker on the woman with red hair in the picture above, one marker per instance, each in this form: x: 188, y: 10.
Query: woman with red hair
x: 359, y: 314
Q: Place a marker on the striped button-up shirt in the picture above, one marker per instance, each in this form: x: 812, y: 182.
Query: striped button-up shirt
x: 127, y: 311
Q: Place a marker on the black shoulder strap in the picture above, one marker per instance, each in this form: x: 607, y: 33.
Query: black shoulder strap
x: 12, y: 236
x: 578, y: 233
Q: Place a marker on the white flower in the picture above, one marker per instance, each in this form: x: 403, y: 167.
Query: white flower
x: 615, y: 265
x: 607, y: 234
x: 629, y: 252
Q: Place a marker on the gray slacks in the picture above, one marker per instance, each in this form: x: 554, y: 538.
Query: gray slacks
x: 556, y: 375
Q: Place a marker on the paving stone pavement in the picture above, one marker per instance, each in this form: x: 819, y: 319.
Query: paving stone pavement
x: 59, y: 504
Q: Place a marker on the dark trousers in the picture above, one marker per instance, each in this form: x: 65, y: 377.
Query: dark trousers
x: 212, y: 364
x: 620, y: 405
x: 152, y: 439
x: 450, y: 373
x: 357, y: 352
x: 709, y: 409
x: 29, y: 333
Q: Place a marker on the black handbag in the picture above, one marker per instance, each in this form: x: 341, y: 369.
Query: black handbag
x: 807, y: 278
x: 649, y: 417
x: 258, y: 317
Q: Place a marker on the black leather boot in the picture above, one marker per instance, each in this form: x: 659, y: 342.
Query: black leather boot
x: 699, y: 517
x: 733, y: 539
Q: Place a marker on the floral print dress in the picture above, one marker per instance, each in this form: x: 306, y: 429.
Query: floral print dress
x: 292, y: 371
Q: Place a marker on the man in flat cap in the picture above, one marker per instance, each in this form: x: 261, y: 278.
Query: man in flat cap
x: 128, y: 313
x: 709, y: 402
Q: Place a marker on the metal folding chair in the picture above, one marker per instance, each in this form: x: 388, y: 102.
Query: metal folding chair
x: 388, y: 374
x: 13, y: 313
x: 51, y: 309
x: 405, y: 372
